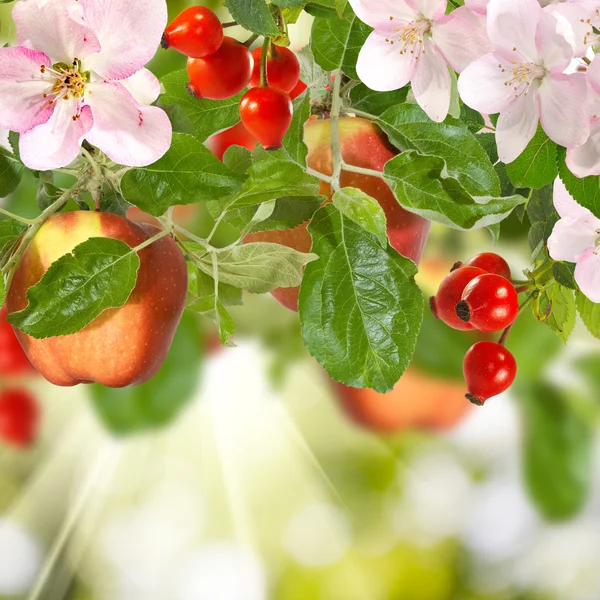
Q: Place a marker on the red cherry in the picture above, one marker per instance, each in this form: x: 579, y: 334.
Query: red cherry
x: 237, y: 135
x: 267, y: 113
x: 283, y: 68
x: 489, y: 303
x: 443, y: 304
x: 489, y: 369
x: 222, y: 74
x: 13, y: 360
x: 19, y: 417
x: 195, y: 32
x: 299, y: 89
x: 491, y: 263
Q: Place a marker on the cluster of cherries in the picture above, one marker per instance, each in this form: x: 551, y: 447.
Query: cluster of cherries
x: 219, y: 67
x: 478, y: 295
x: 19, y: 411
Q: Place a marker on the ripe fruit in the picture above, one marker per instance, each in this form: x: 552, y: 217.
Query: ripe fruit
x: 13, y: 361
x: 122, y: 346
x: 237, y: 135
x: 489, y: 370
x: 489, y: 303
x: 449, y: 294
x: 298, y: 89
x: 267, y: 114
x: 491, y: 263
x: 19, y: 417
x: 363, y: 144
x: 416, y: 402
x: 283, y: 68
x: 195, y: 32
x: 183, y: 214
x: 222, y: 74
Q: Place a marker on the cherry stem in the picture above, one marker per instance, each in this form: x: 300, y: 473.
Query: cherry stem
x: 264, y: 55
x: 229, y: 24
x: 523, y: 306
x: 251, y: 40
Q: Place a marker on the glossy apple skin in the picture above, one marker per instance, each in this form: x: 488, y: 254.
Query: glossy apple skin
x: 416, y: 402
x: 13, y: 361
x: 122, y: 346
x: 364, y: 145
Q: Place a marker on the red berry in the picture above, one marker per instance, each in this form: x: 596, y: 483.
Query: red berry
x: 19, y: 416
x: 489, y: 303
x: 222, y: 74
x: 195, y: 32
x: 491, y: 263
x: 283, y: 68
x: 299, y: 89
x: 13, y: 361
x: 267, y: 113
x: 489, y: 370
x: 237, y: 135
x: 443, y: 304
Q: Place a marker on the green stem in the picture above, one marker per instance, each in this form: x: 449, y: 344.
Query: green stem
x: 523, y: 306
x: 154, y: 238
x: 16, y: 217
x: 362, y: 113
x: 336, y: 151
x: 264, y: 55
x: 319, y: 175
x: 362, y: 171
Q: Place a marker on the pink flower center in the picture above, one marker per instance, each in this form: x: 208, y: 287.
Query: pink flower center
x: 410, y: 37
x: 521, y: 76
x: 67, y: 81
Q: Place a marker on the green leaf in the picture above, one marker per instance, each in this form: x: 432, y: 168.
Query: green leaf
x: 10, y: 231
x: 188, y: 173
x: 376, y: 103
x: 99, y: 274
x: 363, y: 210
x: 11, y: 171
x: 113, y: 202
x: 289, y: 3
x: 253, y: 15
x: 238, y: 159
x: 473, y: 120
x: 157, y: 402
x: 590, y: 314
x: 536, y: 166
x: 420, y: 187
x: 2, y: 289
x: 229, y: 295
x: 322, y: 9
x: 47, y: 194
x: 206, y: 116
x: 360, y: 308
x: 409, y: 128
x: 585, y: 190
x: 564, y: 273
x: 335, y: 43
x: 310, y: 72
x: 260, y: 267
x: 555, y: 306
x: 293, y: 142
x: 558, y: 444
x: 13, y: 140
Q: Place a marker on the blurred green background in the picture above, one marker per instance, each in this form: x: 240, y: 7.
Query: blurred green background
x: 237, y: 474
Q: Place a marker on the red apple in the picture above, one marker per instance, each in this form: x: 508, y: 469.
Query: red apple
x: 416, y: 402
x: 19, y: 417
x: 237, y: 135
x: 364, y: 145
x: 183, y: 214
x: 13, y: 361
x: 122, y: 346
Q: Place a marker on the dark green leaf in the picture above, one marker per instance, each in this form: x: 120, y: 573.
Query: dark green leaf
x: 11, y: 171
x: 47, y: 194
x: 586, y: 190
x: 13, y: 140
x: 157, y: 402
x: 113, y: 202
x: 376, y: 103
x: 10, y: 230
x: 321, y: 9
x: 472, y: 119
x: 99, y: 274
x: 360, y: 307
x: 289, y: 3
x: 186, y: 174
x: 409, y: 128
x: 564, y: 273
x: 536, y: 166
x: 238, y: 159
x: 253, y: 15
x: 590, y: 314
x: 363, y: 210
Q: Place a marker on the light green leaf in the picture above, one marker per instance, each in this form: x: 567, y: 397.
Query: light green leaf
x: 536, y: 166
x: 238, y: 159
x: 555, y: 306
x: 11, y: 171
x: 206, y: 116
x: 363, y: 210
x: 293, y: 142
x: 409, y: 128
x: 188, y: 173
x: 310, y: 72
x: 420, y: 187
x: 99, y: 274
x: 590, y: 314
x: 204, y: 285
x: 360, y: 308
x: 10, y: 230
x: 253, y: 15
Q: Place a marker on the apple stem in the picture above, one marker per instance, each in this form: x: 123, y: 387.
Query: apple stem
x: 363, y: 114
x: 16, y: 217
x: 154, y: 238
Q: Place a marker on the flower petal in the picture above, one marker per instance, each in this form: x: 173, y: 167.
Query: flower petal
x: 54, y: 27
x: 482, y: 85
x: 128, y: 133
x: 572, y: 24
x: 563, y: 111
x: 585, y: 160
x: 22, y: 88
x: 377, y: 13
x: 431, y: 83
x: 512, y: 25
x: 129, y: 34
x: 593, y: 74
x: 461, y: 37
x: 56, y: 143
x: 478, y: 6
x: 381, y: 67
x: 430, y: 9
x: 571, y: 237
x: 143, y: 86
x: 516, y: 126
x: 565, y: 204
x: 587, y: 274
x: 553, y: 48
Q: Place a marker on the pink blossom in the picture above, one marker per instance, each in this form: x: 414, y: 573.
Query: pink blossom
x: 576, y: 238
x: 78, y: 74
x: 523, y: 79
x: 415, y: 41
